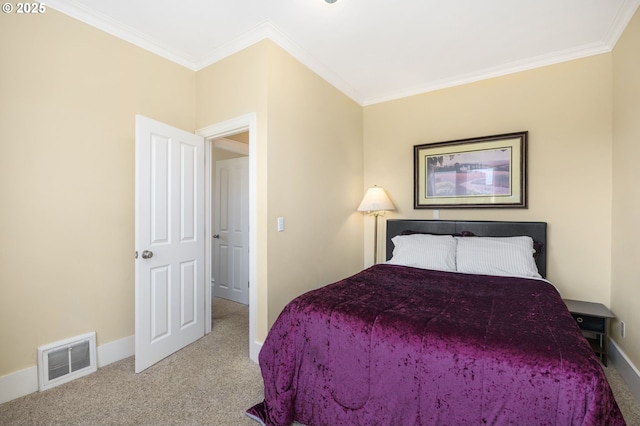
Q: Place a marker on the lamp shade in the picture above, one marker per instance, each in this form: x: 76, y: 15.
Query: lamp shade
x: 375, y: 199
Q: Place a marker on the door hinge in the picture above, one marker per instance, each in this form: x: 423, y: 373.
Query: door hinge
x: 136, y: 254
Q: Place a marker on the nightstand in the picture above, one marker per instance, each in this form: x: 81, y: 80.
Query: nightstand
x: 593, y: 319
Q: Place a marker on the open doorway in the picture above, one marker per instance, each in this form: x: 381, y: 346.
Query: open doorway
x: 230, y: 218
x: 243, y: 124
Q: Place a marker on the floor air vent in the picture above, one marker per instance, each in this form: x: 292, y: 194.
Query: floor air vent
x: 63, y: 361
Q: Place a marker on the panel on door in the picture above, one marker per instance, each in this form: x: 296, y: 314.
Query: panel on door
x: 170, y: 238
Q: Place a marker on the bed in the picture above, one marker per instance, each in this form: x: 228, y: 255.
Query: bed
x: 459, y: 327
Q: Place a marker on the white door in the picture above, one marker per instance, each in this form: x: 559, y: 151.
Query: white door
x: 231, y: 230
x: 169, y: 234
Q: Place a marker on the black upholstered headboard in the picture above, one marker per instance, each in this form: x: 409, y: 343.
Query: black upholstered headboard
x: 480, y: 228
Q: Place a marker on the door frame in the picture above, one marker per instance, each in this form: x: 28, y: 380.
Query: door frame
x: 219, y: 130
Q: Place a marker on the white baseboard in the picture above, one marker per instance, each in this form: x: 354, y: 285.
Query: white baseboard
x: 24, y: 382
x: 18, y: 384
x: 629, y: 372
x: 254, y: 351
x: 115, y: 351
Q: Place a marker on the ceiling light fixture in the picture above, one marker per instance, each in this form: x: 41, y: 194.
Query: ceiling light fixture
x: 330, y: 1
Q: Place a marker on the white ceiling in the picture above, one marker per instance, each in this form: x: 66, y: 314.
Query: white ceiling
x: 372, y: 50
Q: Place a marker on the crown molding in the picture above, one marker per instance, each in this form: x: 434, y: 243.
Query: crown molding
x: 625, y: 14
x: 487, y: 73
x: 264, y: 30
x: 267, y: 30
x: 279, y: 38
x: 254, y: 35
x: 97, y: 20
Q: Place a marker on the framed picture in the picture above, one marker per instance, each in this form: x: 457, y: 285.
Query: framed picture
x: 490, y: 171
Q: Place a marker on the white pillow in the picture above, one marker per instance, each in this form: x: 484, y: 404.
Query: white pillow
x: 425, y: 251
x: 510, y: 256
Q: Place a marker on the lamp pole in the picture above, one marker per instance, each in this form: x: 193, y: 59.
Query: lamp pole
x: 375, y: 236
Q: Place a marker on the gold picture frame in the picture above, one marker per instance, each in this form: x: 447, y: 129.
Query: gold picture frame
x: 489, y: 171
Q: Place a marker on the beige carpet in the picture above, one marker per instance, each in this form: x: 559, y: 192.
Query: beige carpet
x: 211, y: 382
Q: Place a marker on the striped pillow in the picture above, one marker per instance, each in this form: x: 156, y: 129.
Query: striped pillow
x: 425, y: 251
x: 510, y: 256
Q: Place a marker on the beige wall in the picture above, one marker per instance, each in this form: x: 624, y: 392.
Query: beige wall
x: 230, y: 88
x: 567, y: 110
x: 305, y: 128
x: 315, y: 170
x: 625, y: 284
x: 68, y: 99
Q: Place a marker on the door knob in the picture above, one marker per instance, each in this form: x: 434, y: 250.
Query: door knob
x: 147, y: 254
x: 216, y: 235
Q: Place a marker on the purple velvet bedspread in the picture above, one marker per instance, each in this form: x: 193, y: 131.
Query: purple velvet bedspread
x: 394, y: 345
